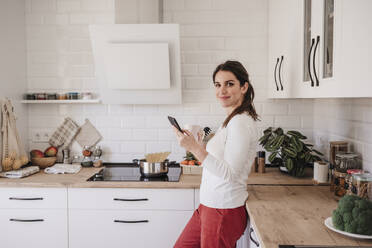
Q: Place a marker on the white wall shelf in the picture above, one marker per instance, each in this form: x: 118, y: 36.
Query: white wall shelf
x: 62, y: 101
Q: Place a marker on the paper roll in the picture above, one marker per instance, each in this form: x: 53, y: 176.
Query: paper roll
x: 321, y: 172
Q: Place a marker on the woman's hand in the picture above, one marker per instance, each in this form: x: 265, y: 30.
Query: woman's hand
x: 187, y: 141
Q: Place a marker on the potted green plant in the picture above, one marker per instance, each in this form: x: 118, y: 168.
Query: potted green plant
x: 289, y: 150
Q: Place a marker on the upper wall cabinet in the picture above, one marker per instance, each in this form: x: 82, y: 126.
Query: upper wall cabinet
x: 332, y: 56
x: 285, y: 44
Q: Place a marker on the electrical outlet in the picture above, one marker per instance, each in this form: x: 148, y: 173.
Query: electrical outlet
x: 40, y: 136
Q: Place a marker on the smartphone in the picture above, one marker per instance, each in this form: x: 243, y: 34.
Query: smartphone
x: 174, y: 122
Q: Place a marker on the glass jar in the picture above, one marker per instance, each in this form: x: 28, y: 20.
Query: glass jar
x: 346, y: 161
x: 340, y: 184
x: 351, y: 189
x: 363, y: 185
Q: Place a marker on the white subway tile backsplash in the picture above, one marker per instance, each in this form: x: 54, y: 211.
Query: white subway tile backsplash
x: 96, y: 5
x: 170, y: 5
x: 197, y: 4
x: 275, y: 108
x: 81, y: 18
x: 119, y: 134
x: 211, y: 43
x: 34, y: 19
x: 133, y: 147
x: 288, y: 121
x: 133, y: 122
x: 68, y: 6
x: 197, y: 57
x: 43, y: 5
x: 145, y: 134
x: 118, y: 109
x: 157, y: 121
x: 167, y: 134
x: 152, y: 147
x: 56, y: 19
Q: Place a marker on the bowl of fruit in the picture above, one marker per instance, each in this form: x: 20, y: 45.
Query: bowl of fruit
x: 191, y: 165
x: 44, y: 159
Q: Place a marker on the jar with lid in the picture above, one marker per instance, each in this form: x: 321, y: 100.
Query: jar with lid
x: 340, y: 184
x: 87, y: 161
x: 363, y: 185
x: 351, y: 189
x: 346, y: 161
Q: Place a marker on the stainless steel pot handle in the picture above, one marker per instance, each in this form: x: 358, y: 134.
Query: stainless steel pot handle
x: 131, y: 221
x: 123, y: 199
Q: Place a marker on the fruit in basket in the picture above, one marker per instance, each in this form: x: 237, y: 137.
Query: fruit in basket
x: 185, y: 162
x: 36, y: 154
x: 51, y: 151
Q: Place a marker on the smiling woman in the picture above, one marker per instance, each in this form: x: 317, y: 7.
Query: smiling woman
x: 221, y: 218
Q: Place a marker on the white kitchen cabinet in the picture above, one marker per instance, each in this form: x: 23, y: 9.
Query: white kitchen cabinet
x: 254, y: 241
x: 327, y: 46
x: 41, y: 228
x: 33, y: 217
x: 285, y: 44
x: 130, y: 228
x: 128, y: 217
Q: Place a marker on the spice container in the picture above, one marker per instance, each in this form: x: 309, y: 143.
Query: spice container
x: 40, y: 96
x: 346, y: 161
x: 340, y: 184
x: 51, y: 96
x: 261, y: 162
x: 351, y: 189
x: 363, y: 185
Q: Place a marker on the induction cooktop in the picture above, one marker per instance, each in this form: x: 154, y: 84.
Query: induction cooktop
x: 130, y: 172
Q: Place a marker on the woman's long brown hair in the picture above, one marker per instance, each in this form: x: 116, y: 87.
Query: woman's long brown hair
x: 241, y: 74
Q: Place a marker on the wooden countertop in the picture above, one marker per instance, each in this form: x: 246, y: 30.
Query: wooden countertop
x: 79, y: 180
x: 272, y: 177
x: 294, y: 215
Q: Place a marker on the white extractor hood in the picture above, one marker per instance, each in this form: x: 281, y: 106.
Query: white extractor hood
x: 137, y: 63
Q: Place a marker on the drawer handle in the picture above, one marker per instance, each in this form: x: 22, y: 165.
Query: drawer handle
x: 21, y: 220
x: 140, y: 199
x: 131, y: 221
x: 26, y: 199
x: 251, y: 238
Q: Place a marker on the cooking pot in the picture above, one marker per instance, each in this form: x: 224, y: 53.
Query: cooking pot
x: 152, y: 169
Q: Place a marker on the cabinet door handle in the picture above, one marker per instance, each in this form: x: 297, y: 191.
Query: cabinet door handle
x: 314, y: 54
x: 26, y: 199
x: 139, y: 199
x: 280, y: 69
x: 251, y: 238
x: 309, y: 62
x: 24, y: 220
x: 131, y: 221
x: 276, y: 83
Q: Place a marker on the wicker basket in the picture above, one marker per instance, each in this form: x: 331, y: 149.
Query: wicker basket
x: 192, y: 169
x: 44, y: 162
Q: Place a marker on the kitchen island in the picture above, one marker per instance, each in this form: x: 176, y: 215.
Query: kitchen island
x: 294, y: 215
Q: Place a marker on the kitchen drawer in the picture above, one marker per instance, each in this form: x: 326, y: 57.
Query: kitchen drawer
x: 161, y: 230
x: 41, y: 228
x: 131, y: 199
x: 33, y: 198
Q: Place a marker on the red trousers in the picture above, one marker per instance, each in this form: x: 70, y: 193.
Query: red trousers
x: 213, y: 228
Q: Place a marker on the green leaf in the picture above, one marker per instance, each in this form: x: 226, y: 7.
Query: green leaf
x: 272, y: 156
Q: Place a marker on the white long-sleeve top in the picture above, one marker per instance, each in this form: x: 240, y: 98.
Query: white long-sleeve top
x: 225, y: 169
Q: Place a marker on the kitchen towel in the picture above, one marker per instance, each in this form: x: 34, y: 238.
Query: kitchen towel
x: 64, y: 134
x: 88, y: 135
x: 63, y: 169
x: 21, y: 172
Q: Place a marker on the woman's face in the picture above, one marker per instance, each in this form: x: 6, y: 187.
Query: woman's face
x: 228, y: 90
